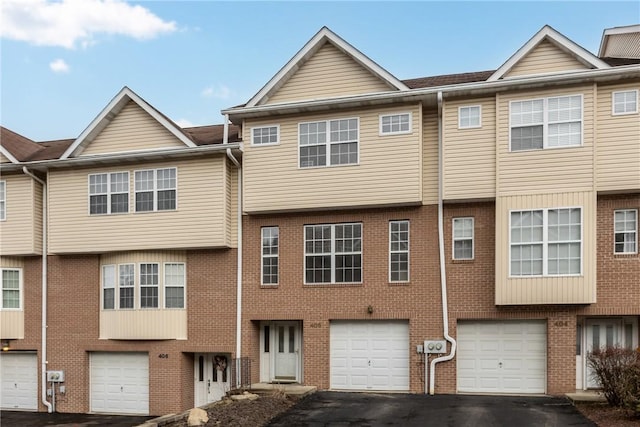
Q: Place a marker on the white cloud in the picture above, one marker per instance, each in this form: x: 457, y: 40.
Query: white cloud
x: 220, y: 92
x: 184, y: 123
x: 69, y: 23
x: 59, y: 66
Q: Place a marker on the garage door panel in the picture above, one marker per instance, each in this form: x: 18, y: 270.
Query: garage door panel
x: 19, y: 381
x: 120, y: 383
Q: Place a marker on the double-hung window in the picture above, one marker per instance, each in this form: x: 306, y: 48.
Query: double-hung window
x: 624, y: 102
x: 469, y: 117
x: 626, y: 231
x: 109, y: 193
x: 155, y: 190
x: 270, y: 246
x: 399, y: 251
x: 546, y: 242
x: 126, y: 285
x: 463, y: 238
x: 11, y: 288
x: 108, y: 287
x: 391, y: 124
x: 3, y: 200
x: 149, y: 285
x: 332, y: 142
x: 174, y: 277
x: 266, y: 135
x: 546, y: 123
x: 333, y: 253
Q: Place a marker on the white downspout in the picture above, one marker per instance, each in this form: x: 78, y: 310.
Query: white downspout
x: 225, y: 140
x: 443, y: 273
x: 43, y: 351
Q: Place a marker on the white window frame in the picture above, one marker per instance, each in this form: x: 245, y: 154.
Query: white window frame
x: 328, y: 143
x: 545, y: 242
x: 164, y: 286
x: 109, y: 193
x: 155, y: 190
x: 546, y: 122
x: 3, y: 200
x: 119, y: 286
x: 400, y: 251
x: 264, y: 256
x: 157, y: 285
x: 332, y: 254
x: 262, y: 128
x: 20, y: 289
x: 113, y: 285
x: 468, y: 109
x: 455, y: 238
x: 635, y: 232
x: 381, y: 118
x: 625, y: 112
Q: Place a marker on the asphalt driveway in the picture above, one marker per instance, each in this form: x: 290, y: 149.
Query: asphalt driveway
x: 337, y: 409
x: 39, y: 419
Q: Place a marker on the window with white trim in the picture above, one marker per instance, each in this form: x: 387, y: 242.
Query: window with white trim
x: 391, y: 124
x: 331, y: 142
x: 624, y: 102
x: 469, y: 117
x: 546, y: 123
x: 108, y: 287
x: 155, y: 190
x: 399, y: 251
x: 463, y: 231
x: 11, y: 288
x: 267, y: 135
x: 149, y: 285
x: 270, y: 249
x: 333, y: 253
x: 626, y: 231
x: 108, y: 193
x: 3, y: 200
x: 546, y: 242
x: 126, y: 285
x: 174, y: 278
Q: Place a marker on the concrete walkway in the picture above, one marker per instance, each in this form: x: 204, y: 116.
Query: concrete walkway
x: 295, y: 390
x: 586, y: 396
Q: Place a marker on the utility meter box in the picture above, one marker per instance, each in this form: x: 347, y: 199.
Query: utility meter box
x: 55, y: 376
x: 435, y: 346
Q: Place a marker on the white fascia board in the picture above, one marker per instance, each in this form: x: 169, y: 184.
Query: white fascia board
x: 555, y: 37
x: 111, y: 110
x: 8, y: 155
x: 325, y: 34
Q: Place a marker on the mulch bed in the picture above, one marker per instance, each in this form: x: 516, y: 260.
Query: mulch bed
x: 607, y: 416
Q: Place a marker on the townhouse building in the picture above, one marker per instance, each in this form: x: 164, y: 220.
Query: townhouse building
x: 465, y: 233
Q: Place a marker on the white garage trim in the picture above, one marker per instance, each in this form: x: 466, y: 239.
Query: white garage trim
x: 119, y: 383
x: 19, y: 381
x: 502, y: 356
x: 369, y: 355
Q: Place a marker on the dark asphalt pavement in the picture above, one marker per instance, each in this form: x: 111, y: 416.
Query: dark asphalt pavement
x: 39, y: 419
x: 337, y: 409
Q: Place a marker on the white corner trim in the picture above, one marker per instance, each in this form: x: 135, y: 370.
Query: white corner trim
x: 8, y: 155
x: 555, y: 37
x: 111, y: 110
x: 325, y: 34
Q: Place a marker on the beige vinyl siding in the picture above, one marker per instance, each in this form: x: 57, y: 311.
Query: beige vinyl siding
x: 198, y: 222
x: 130, y: 324
x: 617, y: 144
x: 469, y: 154
x: 623, y: 46
x: 545, y: 58
x: 12, y: 321
x: 430, y: 157
x: 232, y: 204
x: 546, y: 290
x: 328, y: 73
x: 388, y: 173
x: 17, y: 232
x: 132, y: 129
x: 37, y: 216
x: 562, y: 169
x: 3, y: 159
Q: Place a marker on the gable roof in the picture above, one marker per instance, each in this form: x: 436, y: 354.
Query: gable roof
x: 325, y: 35
x: 16, y: 147
x: 447, y: 79
x: 112, y: 109
x: 557, y: 39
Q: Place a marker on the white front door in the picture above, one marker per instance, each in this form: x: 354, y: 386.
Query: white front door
x: 285, y: 351
x: 601, y: 333
x: 18, y: 381
x: 211, y: 377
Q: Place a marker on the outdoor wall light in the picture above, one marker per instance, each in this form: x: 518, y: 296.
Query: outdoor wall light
x: 370, y: 309
x: 5, y: 345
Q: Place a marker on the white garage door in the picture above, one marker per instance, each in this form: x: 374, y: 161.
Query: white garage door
x: 120, y: 383
x: 502, y: 356
x: 370, y: 355
x: 19, y: 381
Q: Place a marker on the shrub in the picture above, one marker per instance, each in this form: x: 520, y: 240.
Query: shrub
x: 618, y: 372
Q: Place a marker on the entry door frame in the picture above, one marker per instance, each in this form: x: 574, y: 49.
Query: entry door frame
x: 268, y: 359
x: 209, y: 390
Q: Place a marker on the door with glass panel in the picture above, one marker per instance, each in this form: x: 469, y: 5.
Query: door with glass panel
x: 285, y: 351
x: 601, y: 333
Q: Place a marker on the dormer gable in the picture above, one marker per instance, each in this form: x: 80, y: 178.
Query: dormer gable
x: 327, y: 66
x: 128, y: 124
x: 546, y: 52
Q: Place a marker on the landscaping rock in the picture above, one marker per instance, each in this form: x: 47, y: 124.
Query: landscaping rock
x: 197, y: 417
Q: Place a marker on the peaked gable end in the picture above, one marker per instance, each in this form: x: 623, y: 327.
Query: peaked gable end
x: 546, y: 57
x: 131, y: 130
x: 4, y: 159
x: 328, y: 73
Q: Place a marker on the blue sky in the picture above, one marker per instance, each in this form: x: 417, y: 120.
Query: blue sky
x: 63, y: 61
